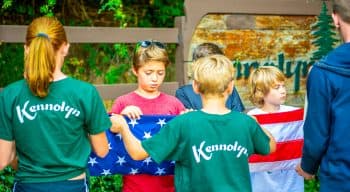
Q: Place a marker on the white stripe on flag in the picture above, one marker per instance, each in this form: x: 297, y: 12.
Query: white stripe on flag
x: 285, y: 131
x: 273, y: 166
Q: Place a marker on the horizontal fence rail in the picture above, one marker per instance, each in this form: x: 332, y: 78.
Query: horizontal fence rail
x: 16, y: 34
x: 112, y: 91
x: 182, y: 34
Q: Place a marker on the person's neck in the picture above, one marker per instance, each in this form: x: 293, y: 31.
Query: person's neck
x: 146, y: 94
x: 215, y: 105
x: 345, y: 32
x: 58, y: 74
x: 270, y: 108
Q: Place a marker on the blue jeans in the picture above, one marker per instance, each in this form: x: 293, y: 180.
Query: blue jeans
x: 58, y: 186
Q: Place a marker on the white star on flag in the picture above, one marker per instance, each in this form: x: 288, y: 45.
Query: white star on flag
x: 148, y: 160
x: 134, y: 171
x: 160, y: 171
x: 133, y: 122
x: 119, y: 135
x: 147, y: 135
x: 161, y: 122
x: 92, y: 161
x: 106, y: 172
x: 120, y: 160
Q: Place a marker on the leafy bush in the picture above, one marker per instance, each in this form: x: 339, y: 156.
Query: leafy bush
x: 312, y: 185
x: 11, y: 63
x: 106, y: 183
x: 6, y: 179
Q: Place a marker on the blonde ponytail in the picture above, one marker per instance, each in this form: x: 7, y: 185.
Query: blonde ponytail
x: 40, y: 65
x: 45, y: 35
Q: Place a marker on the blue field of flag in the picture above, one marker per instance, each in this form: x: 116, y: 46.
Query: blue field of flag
x: 118, y: 161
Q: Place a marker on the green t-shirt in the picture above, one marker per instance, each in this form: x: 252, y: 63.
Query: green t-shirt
x: 211, y: 151
x: 51, y: 133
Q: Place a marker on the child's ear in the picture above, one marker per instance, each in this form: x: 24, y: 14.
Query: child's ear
x: 26, y: 50
x: 230, y: 87
x: 65, y: 49
x: 134, y: 71
x: 195, y: 86
x: 336, y: 20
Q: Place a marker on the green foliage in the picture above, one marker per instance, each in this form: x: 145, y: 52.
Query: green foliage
x: 11, y: 63
x: 166, y: 10
x: 106, y: 183
x: 96, y: 63
x: 6, y: 4
x: 323, y: 32
x: 100, y: 63
x: 312, y: 185
x: 117, y: 7
x: 152, y: 13
x: 6, y: 179
x: 23, y: 12
x: 47, y: 9
x: 119, y: 71
x: 96, y: 184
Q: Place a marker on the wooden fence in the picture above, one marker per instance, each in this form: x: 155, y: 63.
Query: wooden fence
x: 180, y: 35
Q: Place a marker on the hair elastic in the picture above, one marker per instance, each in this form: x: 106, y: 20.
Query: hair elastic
x: 43, y: 35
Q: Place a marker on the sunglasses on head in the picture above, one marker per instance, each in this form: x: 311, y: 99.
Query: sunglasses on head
x: 148, y: 43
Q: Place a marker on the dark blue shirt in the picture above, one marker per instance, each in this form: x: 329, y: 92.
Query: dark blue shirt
x: 327, y: 126
x: 192, y: 100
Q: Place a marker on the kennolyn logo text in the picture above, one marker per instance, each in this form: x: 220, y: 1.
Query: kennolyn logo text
x: 30, y: 111
x: 206, y: 151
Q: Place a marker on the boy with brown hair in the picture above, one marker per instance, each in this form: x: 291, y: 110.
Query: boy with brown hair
x: 211, y: 146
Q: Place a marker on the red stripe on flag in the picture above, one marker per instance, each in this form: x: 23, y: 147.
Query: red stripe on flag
x: 282, y: 117
x: 285, y: 151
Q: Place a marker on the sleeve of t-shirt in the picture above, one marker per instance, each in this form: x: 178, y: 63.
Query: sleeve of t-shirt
x: 6, y: 132
x: 97, y: 119
x: 117, y: 106
x: 180, y: 107
x: 261, y: 141
x: 169, y: 135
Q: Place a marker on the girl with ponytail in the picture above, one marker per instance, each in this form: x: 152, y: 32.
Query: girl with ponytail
x: 49, y: 122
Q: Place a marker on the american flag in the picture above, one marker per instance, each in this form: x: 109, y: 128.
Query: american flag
x: 287, y: 129
x: 118, y: 161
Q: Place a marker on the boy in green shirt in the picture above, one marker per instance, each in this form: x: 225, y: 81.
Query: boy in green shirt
x: 211, y: 146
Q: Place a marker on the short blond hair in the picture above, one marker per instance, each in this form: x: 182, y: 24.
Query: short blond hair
x: 261, y: 81
x: 213, y: 74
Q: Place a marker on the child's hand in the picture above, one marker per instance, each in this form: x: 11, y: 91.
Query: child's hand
x: 131, y: 111
x: 118, y: 123
x: 186, y: 111
x: 302, y: 173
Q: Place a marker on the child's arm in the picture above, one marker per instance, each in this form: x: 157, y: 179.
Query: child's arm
x: 8, y: 153
x: 272, y: 140
x: 131, y: 143
x: 99, y: 144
